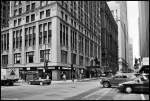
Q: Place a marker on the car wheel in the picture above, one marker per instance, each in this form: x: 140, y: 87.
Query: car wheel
x: 41, y: 83
x: 128, y: 89
x: 106, y: 84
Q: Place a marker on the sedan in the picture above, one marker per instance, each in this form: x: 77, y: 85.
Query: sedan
x: 40, y: 82
x: 113, y: 80
x: 139, y: 84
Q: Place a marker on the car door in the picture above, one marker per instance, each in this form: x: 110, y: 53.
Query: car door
x: 115, y: 80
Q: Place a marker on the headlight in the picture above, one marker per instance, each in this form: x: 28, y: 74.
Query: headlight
x: 120, y: 84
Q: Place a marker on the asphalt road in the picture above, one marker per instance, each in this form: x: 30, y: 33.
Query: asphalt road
x: 87, y: 90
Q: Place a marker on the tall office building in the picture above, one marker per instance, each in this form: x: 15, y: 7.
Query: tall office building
x: 5, y: 6
x: 119, y: 11
x: 144, y: 28
x: 62, y: 32
x: 131, y: 54
x: 109, y: 37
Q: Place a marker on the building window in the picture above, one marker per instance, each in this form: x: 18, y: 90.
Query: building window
x: 80, y: 60
x: 45, y: 33
x: 15, y: 12
x: 30, y: 36
x: 17, y: 58
x: 42, y: 15
x: 44, y: 54
x: 60, y: 34
x: 66, y: 36
x: 48, y: 13
x: 19, y: 21
x: 17, y: 38
x: 73, y: 58
x: 34, y: 35
x: 29, y: 57
x: 4, y: 60
x: 7, y: 41
x: 20, y: 11
x: 15, y: 23
x: 4, y: 41
x: 27, y: 8
x: 20, y: 2
x: 40, y: 34
x: 62, y: 14
x: 66, y: 17
x: 14, y: 39
x: 32, y: 17
x: 33, y: 6
x: 20, y: 38
x: 63, y: 56
x: 43, y: 3
x: 27, y: 19
x: 26, y: 37
x: 49, y: 32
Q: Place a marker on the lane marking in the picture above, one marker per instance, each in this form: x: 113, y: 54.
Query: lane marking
x: 142, y: 97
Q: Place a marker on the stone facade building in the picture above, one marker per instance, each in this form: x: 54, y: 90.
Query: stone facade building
x: 62, y: 32
x: 109, y: 39
x: 119, y: 11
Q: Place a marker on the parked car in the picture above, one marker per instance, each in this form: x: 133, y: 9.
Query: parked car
x: 113, y: 80
x: 40, y: 82
x: 140, y: 84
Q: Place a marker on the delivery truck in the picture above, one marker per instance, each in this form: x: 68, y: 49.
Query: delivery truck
x: 9, y: 76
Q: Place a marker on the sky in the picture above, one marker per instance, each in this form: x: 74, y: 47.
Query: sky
x: 133, y: 31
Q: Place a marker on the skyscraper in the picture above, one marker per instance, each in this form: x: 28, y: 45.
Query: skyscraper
x: 109, y: 37
x: 119, y: 11
x: 144, y: 28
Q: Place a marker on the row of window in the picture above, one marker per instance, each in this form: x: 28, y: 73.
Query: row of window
x: 44, y: 54
x: 63, y: 35
x: 5, y: 41
x: 31, y: 17
x: 81, y: 29
x: 30, y: 36
x: 29, y: 6
x: 17, y: 39
x: 19, y: 22
x: 45, y: 33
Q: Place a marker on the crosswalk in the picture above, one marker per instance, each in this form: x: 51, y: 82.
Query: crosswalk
x: 102, y: 92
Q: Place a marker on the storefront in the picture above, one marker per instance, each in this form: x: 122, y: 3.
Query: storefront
x: 93, y: 71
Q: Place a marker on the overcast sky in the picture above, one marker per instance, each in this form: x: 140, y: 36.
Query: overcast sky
x: 132, y: 9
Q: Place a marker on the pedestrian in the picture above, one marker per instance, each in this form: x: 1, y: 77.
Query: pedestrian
x: 64, y: 77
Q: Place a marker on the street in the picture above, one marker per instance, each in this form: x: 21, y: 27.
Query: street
x: 87, y: 90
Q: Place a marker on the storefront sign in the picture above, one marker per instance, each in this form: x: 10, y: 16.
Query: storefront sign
x: 51, y: 67
x: 65, y: 68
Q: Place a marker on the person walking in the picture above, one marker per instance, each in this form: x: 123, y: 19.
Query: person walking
x: 64, y: 77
